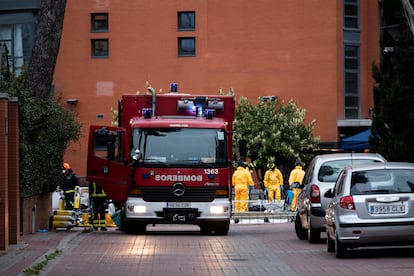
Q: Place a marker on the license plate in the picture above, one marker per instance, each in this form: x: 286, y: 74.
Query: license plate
x: 178, y: 204
x: 387, y: 209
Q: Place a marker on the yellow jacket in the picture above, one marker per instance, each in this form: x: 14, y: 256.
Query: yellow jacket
x: 96, y: 190
x: 296, y: 175
x: 242, y: 178
x: 273, y: 178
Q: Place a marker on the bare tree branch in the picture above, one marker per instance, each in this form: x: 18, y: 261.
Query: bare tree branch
x: 409, y: 14
x: 46, y: 47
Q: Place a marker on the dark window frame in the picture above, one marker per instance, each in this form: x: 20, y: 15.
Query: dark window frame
x: 351, y: 20
x: 99, y: 24
x: 182, y: 51
x: 186, y: 24
x: 352, y: 81
x: 96, y: 52
x: 18, y: 57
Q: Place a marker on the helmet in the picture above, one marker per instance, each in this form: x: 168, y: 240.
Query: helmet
x: 66, y: 166
x: 271, y: 166
x: 242, y: 164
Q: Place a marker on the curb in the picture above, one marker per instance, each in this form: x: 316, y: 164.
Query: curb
x: 62, y: 246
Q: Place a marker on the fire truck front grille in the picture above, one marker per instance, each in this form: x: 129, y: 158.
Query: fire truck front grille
x: 161, y: 194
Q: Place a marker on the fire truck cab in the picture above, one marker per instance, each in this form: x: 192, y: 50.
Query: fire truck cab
x: 168, y: 161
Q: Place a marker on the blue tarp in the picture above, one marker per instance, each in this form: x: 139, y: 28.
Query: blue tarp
x: 358, y: 141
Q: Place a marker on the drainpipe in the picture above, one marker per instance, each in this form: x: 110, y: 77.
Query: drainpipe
x: 33, y: 219
x: 152, y: 91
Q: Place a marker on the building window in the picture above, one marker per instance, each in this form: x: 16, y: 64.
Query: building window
x: 351, y: 19
x: 186, y: 21
x: 16, y: 41
x: 186, y: 46
x: 99, y: 22
x: 351, y: 78
x: 100, y: 47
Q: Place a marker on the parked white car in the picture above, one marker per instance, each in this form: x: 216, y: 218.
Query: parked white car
x: 320, y: 176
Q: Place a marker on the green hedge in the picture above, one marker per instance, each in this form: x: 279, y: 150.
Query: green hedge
x: 45, y: 129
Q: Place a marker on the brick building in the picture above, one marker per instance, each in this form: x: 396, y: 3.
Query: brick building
x: 318, y: 53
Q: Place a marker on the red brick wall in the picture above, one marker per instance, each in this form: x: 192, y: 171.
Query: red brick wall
x: 4, y: 195
x: 9, y: 172
x: 291, y: 49
x: 13, y: 166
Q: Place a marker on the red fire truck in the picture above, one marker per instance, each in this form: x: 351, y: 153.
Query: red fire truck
x: 168, y: 161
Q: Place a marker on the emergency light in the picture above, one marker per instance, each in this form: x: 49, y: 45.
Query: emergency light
x: 173, y: 87
x: 209, y: 114
x: 147, y: 113
x: 185, y: 105
x: 216, y: 105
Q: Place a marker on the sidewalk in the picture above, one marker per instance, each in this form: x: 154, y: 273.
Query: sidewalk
x: 32, y: 249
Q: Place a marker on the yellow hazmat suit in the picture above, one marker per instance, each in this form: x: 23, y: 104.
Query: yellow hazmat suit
x: 241, y: 180
x: 295, y: 183
x: 273, y: 180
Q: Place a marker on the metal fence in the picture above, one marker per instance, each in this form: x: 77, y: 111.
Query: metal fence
x: 262, y: 211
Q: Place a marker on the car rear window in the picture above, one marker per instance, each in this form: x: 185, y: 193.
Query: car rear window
x: 330, y: 170
x: 384, y: 181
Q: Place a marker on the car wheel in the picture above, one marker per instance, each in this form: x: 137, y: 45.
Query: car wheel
x: 314, y: 235
x: 300, y: 232
x: 340, y: 249
x: 330, y: 242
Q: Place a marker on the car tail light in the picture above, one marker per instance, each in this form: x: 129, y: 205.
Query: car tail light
x: 347, y: 202
x: 315, y: 194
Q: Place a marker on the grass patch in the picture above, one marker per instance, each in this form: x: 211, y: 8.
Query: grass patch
x: 35, y: 270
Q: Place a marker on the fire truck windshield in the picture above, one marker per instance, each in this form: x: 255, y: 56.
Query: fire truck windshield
x: 180, y: 146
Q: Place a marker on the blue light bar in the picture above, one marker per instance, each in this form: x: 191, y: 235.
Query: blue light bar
x: 173, y: 87
x: 209, y: 114
x: 147, y: 113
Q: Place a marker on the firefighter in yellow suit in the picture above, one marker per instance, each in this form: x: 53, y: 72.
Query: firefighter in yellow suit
x: 241, y: 180
x: 98, y: 197
x: 273, y: 180
x: 295, y: 183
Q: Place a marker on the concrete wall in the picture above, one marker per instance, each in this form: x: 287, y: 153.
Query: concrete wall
x: 36, y: 213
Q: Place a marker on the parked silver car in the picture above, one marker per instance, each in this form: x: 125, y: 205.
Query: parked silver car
x: 320, y: 176
x: 372, y: 205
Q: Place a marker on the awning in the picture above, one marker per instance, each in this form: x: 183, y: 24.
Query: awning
x: 358, y: 141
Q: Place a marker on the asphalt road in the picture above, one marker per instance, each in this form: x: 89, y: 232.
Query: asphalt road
x: 248, y: 249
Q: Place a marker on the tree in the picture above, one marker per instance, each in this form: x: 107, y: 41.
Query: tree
x: 46, y: 47
x: 46, y: 127
x: 409, y: 13
x: 271, y: 131
x: 393, y: 121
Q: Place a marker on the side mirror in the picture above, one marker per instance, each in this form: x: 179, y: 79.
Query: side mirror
x: 136, y: 155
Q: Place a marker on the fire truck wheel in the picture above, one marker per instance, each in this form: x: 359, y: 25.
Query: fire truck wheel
x: 134, y: 228
x: 218, y: 228
x: 221, y: 228
x: 205, y: 230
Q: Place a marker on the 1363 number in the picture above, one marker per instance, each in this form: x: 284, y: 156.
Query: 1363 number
x: 211, y: 171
